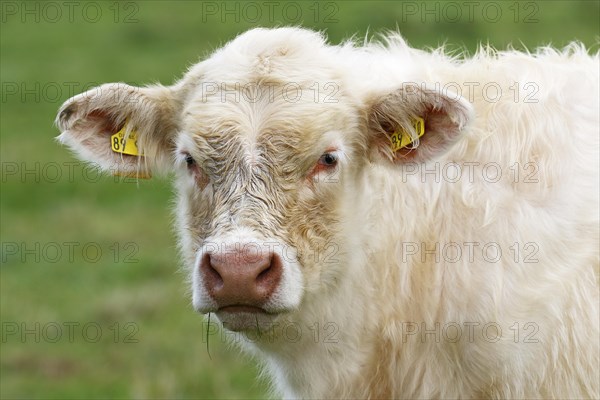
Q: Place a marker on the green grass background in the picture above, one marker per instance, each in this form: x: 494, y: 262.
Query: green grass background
x: 157, y: 42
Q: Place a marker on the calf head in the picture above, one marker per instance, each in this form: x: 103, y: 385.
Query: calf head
x: 269, y: 142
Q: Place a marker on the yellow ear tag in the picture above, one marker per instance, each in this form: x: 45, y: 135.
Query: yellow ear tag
x: 400, y: 139
x: 119, y: 144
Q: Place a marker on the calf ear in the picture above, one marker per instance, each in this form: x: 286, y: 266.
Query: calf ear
x: 415, y: 124
x: 144, y: 116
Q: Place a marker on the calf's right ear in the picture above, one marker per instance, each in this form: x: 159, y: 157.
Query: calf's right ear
x: 145, y: 119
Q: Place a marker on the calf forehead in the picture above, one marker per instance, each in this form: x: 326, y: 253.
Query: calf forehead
x: 258, y: 120
x: 283, y: 89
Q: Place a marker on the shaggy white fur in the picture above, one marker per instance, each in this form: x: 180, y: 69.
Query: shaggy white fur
x: 465, y: 265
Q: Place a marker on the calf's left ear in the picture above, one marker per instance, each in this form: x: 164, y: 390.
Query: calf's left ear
x: 416, y: 124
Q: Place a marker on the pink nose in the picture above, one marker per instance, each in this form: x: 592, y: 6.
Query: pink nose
x: 241, y: 278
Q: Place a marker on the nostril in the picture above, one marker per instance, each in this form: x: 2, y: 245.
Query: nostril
x: 269, y: 277
x: 264, y: 274
x: 211, y: 275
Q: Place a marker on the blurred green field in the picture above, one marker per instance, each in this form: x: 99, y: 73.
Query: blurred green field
x: 97, y: 253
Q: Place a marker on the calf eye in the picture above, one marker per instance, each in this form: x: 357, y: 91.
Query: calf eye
x: 326, y: 163
x: 190, y: 161
x: 328, y: 160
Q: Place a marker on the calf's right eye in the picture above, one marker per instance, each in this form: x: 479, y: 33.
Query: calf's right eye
x: 328, y: 160
x: 189, y: 160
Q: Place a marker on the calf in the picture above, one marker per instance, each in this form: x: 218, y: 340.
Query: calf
x: 379, y: 221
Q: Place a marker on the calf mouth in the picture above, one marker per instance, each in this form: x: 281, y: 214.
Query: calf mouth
x: 241, y: 308
x: 241, y: 317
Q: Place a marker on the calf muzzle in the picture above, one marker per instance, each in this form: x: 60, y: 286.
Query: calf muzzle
x: 241, y: 280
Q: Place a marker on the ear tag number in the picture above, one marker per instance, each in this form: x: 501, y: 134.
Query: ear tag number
x: 400, y: 139
x: 120, y: 144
